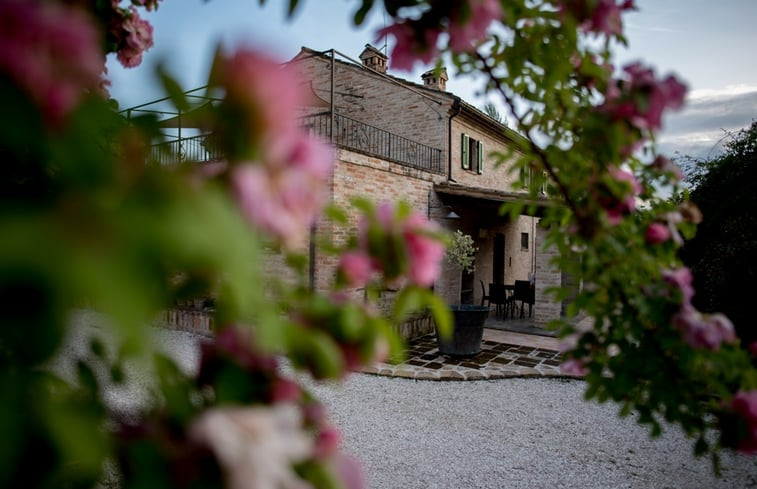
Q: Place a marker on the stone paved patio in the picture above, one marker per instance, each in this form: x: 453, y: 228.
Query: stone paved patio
x: 503, y: 354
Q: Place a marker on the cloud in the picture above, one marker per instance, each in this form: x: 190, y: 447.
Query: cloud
x: 709, y: 115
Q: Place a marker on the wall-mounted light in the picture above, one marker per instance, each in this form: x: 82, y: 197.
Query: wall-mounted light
x: 450, y: 215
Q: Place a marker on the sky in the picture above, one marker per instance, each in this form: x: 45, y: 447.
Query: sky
x: 708, y: 45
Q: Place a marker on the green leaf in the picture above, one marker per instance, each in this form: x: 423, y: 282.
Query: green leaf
x: 441, y: 313
x: 292, y: 7
x: 409, y: 299
x: 173, y: 89
x: 362, y: 12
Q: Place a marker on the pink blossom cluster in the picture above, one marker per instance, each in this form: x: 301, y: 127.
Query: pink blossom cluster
x: 233, y: 347
x: 52, y: 52
x: 417, y: 40
x: 660, y: 232
x: 284, y: 193
x: 699, y: 330
x: 257, y: 432
x: 466, y: 30
x: 617, y: 206
x: 394, y: 245
x: 744, y: 404
x: 131, y: 34
x: 641, y: 99
x: 600, y: 16
x: 281, y: 184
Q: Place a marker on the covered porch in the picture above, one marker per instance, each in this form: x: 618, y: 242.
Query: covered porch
x: 509, y: 249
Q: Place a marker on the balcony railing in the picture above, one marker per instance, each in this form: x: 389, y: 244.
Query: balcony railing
x: 349, y: 134
x: 358, y: 136
x: 196, y: 148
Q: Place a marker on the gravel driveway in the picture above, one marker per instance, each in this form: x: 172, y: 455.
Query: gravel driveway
x: 508, y: 433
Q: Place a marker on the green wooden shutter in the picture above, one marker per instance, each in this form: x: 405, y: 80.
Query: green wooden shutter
x: 480, y: 162
x: 465, y: 156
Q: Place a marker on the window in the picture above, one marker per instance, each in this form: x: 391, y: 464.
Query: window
x: 524, y: 241
x: 472, y: 156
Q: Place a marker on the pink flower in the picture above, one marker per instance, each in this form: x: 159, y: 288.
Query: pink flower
x: 284, y: 194
x: 465, y: 32
x: 704, y: 330
x: 408, y: 47
x: 598, y: 16
x: 744, y: 404
x: 575, y: 367
x: 641, y: 99
x: 284, y: 390
x: 426, y: 252
x: 657, y: 233
x: 619, y: 206
x: 267, y: 93
x: 401, y: 246
x: 52, y: 52
x: 326, y: 442
x: 255, y: 446
x: 356, y: 268
x: 682, y: 279
x: 136, y: 38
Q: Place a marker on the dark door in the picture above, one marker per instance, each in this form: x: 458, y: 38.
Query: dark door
x: 498, y: 264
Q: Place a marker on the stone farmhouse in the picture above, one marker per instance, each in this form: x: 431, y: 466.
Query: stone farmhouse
x: 401, y: 140
x: 416, y: 142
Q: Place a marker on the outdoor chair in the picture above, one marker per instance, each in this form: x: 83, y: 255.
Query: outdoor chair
x: 523, y: 292
x: 498, y: 296
x: 484, y: 296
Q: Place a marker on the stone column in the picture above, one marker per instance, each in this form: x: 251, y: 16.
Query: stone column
x: 547, y: 276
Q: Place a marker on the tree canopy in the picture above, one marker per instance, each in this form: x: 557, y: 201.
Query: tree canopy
x: 723, y: 254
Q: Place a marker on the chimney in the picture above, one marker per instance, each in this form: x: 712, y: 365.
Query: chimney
x: 436, y: 79
x: 374, y: 59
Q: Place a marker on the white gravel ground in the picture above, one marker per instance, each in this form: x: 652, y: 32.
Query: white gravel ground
x: 509, y: 433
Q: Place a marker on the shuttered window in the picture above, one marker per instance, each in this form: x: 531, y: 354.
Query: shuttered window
x: 472, y: 154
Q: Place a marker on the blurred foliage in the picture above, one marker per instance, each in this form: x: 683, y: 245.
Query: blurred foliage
x: 723, y: 254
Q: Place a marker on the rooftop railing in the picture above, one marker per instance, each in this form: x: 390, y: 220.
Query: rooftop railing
x: 359, y: 136
x: 349, y: 134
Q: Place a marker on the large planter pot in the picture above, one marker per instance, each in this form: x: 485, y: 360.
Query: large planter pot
x: 468, y: 329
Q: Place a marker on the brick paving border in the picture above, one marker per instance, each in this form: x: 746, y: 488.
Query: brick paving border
x: 495, y: 361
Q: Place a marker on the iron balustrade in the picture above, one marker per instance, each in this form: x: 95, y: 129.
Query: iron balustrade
x: 349, y: 134
x: 359, y: 136
x: 199, y: 149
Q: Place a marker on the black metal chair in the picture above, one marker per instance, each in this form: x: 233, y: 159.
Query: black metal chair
x: 484, y: 295
x: 525, y: 294
x: 498, y: 296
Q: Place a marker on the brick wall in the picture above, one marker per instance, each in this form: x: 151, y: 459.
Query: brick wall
x: 547, y: 276
x: 414, y: 113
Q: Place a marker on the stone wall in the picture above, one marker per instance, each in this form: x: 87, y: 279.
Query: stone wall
x: 547, y: 276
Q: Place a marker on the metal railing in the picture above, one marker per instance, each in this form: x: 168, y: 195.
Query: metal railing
x: 196, y: 148
x: 359, y: 136
x: 349, y: 134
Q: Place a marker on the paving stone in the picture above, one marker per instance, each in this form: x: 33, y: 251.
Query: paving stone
x: 474, y: 375
x: 470, y: 365
x: 426, y: 375
x: 502, y: 360
x: 525, y: 361
x: 454, y: 375
x: 416, y: 363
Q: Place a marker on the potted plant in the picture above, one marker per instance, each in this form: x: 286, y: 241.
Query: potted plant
x: 468, y: 319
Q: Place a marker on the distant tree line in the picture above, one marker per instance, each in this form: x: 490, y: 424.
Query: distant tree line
x: 723, y: 254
